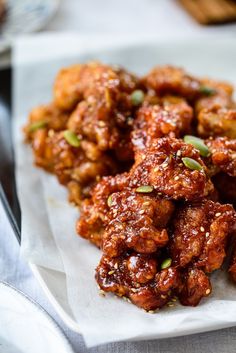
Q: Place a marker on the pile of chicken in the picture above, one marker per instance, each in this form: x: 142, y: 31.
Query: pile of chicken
x: 151, y: 162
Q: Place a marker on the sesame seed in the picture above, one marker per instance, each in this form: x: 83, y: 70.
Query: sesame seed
x: 133, y: 290
x: 207, y: 234
x: 141, y: 212
x: 208, y: 291
x: 176, y: 178
x: 146, y: 203
x: 202, y: 229
x: 170, y: 304
x: 164, y: 165
x: 163, y: 296
x: 151, y: 311
x: 173, y: 299
x: 111, y: 272
x: 178, y: 153
x: 218, y: 214
x: 101, y: 123
x: 51, y: 132
x: 102, y: 293
x: 116, y: 266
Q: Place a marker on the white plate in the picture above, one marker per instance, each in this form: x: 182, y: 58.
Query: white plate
x: 26, y: 327
x: 25, y: 16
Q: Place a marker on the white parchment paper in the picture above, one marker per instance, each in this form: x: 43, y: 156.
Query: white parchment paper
x: 48, y: 221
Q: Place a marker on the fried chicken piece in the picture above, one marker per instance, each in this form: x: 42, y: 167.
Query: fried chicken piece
x: 162, y: 166
x: 136, y: 276
x: 104, y: 115
x: 136, y: 221
x: 200, y: 234
x: 172, y: 80
x: 196, y: 285
x: 223, y: 155
x: 172, y: 119
x: 47, y: 117
x: 94, y: 211
x: 217, y: 122
x: 226, y: 186
x: 77, y: 164
x: 78, y: 82
x: 218, y: 94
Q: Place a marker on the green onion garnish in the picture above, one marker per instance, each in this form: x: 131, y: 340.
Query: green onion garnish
x: 145, y: 189
x: 137, y: 97
x: 37, y: 125
x: 191, y: 163
x: 71, y: 138
x: 198, y: 144
x: 207, y: 91
x: 166, y: 263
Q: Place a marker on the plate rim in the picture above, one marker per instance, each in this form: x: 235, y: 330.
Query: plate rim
x: 43, y: 312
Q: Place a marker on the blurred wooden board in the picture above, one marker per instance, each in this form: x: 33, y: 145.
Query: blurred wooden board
x: 211, y: 11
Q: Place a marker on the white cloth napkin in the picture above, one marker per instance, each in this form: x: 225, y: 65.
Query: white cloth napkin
x: 48, y: 234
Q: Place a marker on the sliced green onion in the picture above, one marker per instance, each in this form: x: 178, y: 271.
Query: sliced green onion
x: 109, y: 201
x: 166, y: 263
x: 37, y: 125
x: 207, y: 91
x: 145, y: 189
x: 191, y: 163
x: 198, y: 144
x: 71, y: 138
x: 137, y: 97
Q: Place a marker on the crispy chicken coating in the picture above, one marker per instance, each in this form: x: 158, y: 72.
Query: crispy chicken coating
x: 136, y: 276
x: 172, y: 119
x: 200, y: 234
x: 137, y: 221
x: 223, y: 155
x: 161, y: 165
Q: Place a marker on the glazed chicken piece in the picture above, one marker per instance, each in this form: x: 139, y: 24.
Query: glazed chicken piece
x: 94, y: 211
x: 223, y: 156
x: 46, y: 117
x: 74, y: 166
x: 200, y: 235
x: 173, y: 118
x: 164, y: 167
x: 217, y: 94
x: 104, y: 108
x: 78, y: 82
x: 136, y: 221
x: 137, y: 277
x: 195, y: 286
x: 217, y: 122
x: 160, y: 169
x: 172, y: 80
